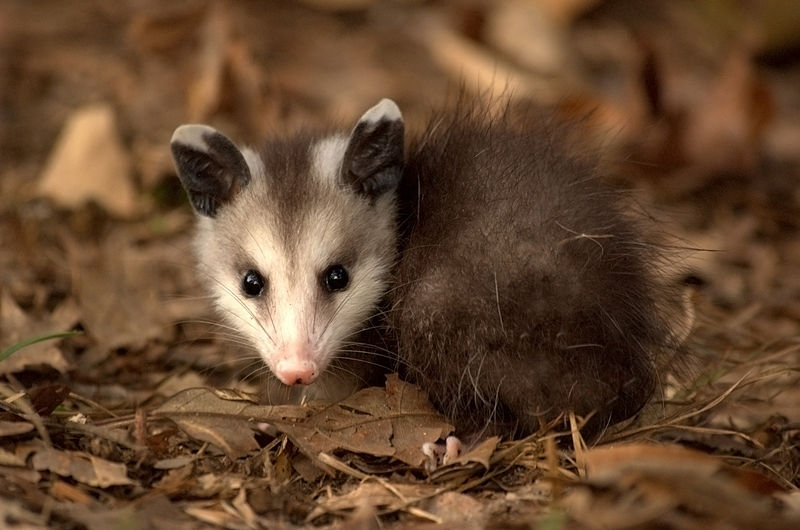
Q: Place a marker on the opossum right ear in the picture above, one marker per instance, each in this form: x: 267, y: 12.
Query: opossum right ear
x: 211, y: 168
x: 373, y: 160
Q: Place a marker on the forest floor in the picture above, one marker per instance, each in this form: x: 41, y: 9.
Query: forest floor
x: 141, y: 419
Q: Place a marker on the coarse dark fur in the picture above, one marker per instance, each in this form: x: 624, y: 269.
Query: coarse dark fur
x: 523, y: 290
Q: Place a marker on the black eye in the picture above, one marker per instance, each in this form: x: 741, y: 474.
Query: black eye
x: 335, y: 278
x: 253, y: 283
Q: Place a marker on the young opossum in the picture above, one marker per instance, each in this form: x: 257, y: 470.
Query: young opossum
x: 516, y: 286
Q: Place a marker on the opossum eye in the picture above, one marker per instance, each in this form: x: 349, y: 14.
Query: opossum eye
x: 335, y: 278
x: 253, y: 283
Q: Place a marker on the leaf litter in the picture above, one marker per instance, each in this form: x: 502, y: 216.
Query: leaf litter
x: 128, y: 423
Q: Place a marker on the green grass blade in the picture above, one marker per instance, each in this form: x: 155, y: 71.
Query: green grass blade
x: 33, y: 340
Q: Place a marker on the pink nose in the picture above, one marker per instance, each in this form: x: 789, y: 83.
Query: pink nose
x: 296, y: 372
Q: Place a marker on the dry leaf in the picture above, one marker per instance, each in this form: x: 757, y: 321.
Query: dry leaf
x: 89, y: 162
x: 225, y: 419
x: 233, y: 435
x: 119, y: 299
x: 205, y: 91
x: 227, y: 402
x: 150, y: 511
x: 223, y: 484
x: 13, y: 428
x: 480, y: 454
x: 45, y: 399
x: 674, y: 482
x: 724, y: 129
x: 174, y: 463
x: 87, y: 469
x: 10, y: 459
x: 67, y: 492
x: 217, y: 517
x: 395, y: 421
x: 16, y: 325
x: 529, y: 34
x: 387, y: 497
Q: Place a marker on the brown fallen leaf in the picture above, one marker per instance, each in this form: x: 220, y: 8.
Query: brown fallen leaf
x: 474, y: 461
x: 10, y: 459
x: 46, y: 398
x: 482, y: 71
x: 215, y: 515
x: 89, y: 163
x: 224, y: 418
x: 480, y: 454
x: 672, y: 483
x: 174, y: 463
x: 383, y: 496
x: 531, y: 36
x: 394, y: 421
x: 149, y: 511
x: 205, y: 92
x: 87, y: 469
x: 16, y: 325
x: 227, y: 402
x: 723, y: 131
x: 120, y: 302
x: 232, y: 435
x: 67, y: 492
x: 13, y: 428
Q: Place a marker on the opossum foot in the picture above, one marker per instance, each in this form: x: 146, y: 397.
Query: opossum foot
x: 441, y: 454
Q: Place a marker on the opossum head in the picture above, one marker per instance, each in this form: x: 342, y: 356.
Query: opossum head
x: 297, y: 240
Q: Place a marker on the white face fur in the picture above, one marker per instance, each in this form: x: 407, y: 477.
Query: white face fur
x: 298, y: 261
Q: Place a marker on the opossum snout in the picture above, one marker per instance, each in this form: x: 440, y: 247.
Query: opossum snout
x: 297, y: 368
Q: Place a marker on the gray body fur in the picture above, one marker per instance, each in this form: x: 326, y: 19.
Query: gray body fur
x: 524, y: 290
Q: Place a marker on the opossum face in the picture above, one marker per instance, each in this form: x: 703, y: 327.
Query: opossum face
x: 296, y: 242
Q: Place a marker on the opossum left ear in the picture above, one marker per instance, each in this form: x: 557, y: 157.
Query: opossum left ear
x: 373, y: 160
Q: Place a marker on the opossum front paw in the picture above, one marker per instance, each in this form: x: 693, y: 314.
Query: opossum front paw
x: 441, y: 454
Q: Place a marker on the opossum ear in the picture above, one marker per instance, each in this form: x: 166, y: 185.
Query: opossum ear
x: 211, y: 168
x: 373, y: 160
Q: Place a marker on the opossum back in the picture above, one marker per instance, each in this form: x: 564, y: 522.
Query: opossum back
x: 524, y: 289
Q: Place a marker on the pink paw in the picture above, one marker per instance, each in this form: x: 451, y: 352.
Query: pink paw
x: 441, y: 455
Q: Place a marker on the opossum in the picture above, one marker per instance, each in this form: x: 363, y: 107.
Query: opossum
x: 512, y: 281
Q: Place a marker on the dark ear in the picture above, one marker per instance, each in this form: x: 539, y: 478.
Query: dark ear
x: 211, y: 168
x: 373, y: 160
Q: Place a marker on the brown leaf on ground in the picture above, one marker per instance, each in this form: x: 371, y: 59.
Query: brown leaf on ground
x: 16, y: 325
x: 10, y: 459
x: 120, y: 304
x: 724, y: 128
x: 480, y: 454
x: 14, y: 428
x: 382, y: 495
x: 394, y: 421
x: 228, y: 403
x: 89, y: 162
x: 151, y: 511
x: 225, y: 419
x: 671, y: 483
x: 46, y: 398
x: 86, y: 469
x: 232, y: 435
